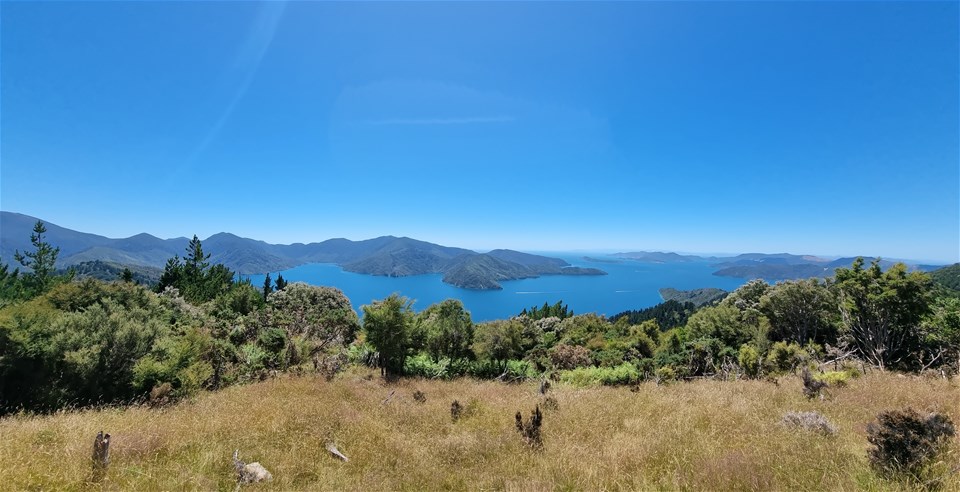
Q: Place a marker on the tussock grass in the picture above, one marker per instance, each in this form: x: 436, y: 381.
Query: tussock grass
x: 705, y: 435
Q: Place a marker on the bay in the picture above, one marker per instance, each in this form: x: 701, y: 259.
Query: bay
x: 627, y: 285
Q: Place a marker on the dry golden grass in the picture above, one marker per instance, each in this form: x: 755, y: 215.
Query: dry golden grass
x: 692, y: 436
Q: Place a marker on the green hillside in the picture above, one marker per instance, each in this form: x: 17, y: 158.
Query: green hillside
x: 948, y: 277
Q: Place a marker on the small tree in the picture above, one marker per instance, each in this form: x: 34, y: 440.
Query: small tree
x: 267, y: 286
x: 730, y: 325
x: 41, y: 261
x: 389, y: 326
x: 172, y: 274
x: 448, y: 329
x: 194, y: 277
x: 10, y: 283
x: 126, y: 275
x: 801, y: 311
x: 499, y: 341
x: 941, y: 332
x: 882, y: 311
x: 196, y: 262
x: 281, y: 283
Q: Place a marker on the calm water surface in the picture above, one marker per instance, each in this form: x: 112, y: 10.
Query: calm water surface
x: 629, y: 285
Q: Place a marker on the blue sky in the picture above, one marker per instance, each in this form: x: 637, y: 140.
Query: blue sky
x: 808, y: 127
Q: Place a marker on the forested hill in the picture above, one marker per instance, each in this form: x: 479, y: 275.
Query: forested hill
x: 387, y: 255
x: 698, y: 297
x: 947, y: 277
x: 770, y: 267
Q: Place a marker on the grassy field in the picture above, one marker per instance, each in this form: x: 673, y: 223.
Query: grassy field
x: 705, y: 435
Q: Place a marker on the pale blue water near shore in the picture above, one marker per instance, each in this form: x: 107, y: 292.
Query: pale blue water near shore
x: 628, y: 285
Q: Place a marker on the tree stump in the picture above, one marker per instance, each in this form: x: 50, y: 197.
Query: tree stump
x: 544, y: 386
x: 456, y: 409
x: 101, y: 455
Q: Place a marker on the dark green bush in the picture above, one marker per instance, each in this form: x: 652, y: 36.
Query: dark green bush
x: 906, y: 442
x: 786, y: 357
x: 273, y: 340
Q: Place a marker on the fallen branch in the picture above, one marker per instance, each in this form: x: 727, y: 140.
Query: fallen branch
x: 388, y: 398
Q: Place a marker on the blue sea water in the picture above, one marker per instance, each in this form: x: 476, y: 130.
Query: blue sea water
x: 628, y: 285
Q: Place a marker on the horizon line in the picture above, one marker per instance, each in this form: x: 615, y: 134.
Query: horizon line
x: 597, y: 250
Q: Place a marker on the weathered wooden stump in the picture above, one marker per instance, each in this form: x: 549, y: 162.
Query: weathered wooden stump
x: 101, y: 455
x: 456, y: 409
x: 530, y: 429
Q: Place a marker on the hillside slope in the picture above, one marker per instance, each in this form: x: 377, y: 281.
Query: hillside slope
x: 948, y: 276
x: 704, y: 435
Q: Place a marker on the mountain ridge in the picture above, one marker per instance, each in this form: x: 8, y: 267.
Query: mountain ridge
x: 389, y: 256
x: 384, y: 255
x: 767, y: 266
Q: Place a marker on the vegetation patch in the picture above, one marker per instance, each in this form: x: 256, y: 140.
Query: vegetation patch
x: 623, y: 374
x: 809, y: 421
x: 907, y: 442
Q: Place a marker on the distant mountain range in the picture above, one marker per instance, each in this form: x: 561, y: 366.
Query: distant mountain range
x: 779, y: 266
x: 387, y: 255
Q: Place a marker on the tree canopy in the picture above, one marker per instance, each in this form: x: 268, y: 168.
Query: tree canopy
x: 389, y: 326
x: 882, y: 311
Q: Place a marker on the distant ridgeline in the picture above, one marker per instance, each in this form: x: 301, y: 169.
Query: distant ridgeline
x: 385, y: 256
x: 771, y: 267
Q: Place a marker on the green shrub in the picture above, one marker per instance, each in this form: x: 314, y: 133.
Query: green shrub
x: 837, y: 379
x: 749, y: 360
x: 646, y: 366
x: 241, y: 300
x: 178, y: 361
x: 510, y: 370
x: 610, y: 357
x: 254, y: 358
x: 785, y: 357
x: 520, y: 369
x: 422, y: 365
x: 78, y: 344
x: 361, y: 352
x: 665, y: 374
x: 273, y: 340
x: 623, y: 374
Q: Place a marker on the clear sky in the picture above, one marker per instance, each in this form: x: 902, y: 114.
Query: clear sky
x: 806, y: 127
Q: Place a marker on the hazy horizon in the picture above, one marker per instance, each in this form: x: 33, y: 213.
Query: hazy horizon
x: 548, y: 251
x: 825, y: 128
